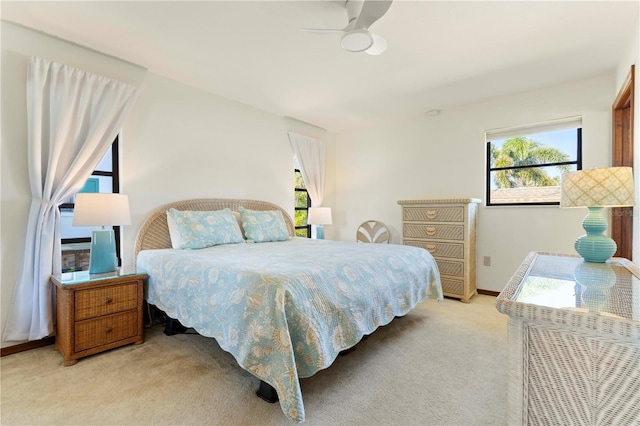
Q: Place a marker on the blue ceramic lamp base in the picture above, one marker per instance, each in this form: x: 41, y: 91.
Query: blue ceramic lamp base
x: 595, y: 246
x: 319, y: 232
x: 103, y: 252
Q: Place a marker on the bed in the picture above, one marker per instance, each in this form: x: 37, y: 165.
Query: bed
x: 283, y: 306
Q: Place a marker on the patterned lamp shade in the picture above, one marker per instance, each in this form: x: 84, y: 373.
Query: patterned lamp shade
x: 596, y: 189
x: 607, y: 187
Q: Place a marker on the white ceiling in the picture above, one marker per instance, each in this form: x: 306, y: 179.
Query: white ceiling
x: 441, y: 53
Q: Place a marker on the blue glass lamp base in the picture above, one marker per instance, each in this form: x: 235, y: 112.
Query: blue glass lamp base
x: 319, y: 232
x: 103, y: 252
x: 595, y: 246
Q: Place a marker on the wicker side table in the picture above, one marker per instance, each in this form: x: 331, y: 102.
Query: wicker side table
x: 97, y: 312
x: 574, y: 341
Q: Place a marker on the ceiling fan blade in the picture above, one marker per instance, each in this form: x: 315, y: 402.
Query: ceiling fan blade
x: 372, y: 10
x: 322, y: 30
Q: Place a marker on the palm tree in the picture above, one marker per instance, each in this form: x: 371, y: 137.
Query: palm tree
x: 522, y: 151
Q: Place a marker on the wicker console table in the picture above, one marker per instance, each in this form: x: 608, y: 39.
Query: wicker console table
x: 574, y: 341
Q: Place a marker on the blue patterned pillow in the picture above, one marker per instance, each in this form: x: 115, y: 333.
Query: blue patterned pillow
x: 262, y: 226
x: 200, y: 229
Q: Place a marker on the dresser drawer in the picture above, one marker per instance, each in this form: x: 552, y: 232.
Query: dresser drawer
x: 104, y: 330
x: 433, y: 214
x: 95, y: 302
x: 437, y: 248
x: 450, y: 267
x: 451, y: 286
x: 441, y: 232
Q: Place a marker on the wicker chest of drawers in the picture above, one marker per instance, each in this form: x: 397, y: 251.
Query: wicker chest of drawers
x: 447, y: 229
x: 97, y: 312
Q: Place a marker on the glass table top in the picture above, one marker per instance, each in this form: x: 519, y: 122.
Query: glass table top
x: 69, y: 278
x: 567, y: 282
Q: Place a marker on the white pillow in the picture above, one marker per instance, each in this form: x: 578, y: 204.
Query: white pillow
x: 174, y: 234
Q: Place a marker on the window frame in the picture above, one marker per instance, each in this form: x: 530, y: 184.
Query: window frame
x: 489, y: 170
x: 296, y: 208
x: 114, y: 174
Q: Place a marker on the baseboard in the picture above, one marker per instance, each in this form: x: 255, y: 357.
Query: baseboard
x: 26, y: 346
x: 489, y: 292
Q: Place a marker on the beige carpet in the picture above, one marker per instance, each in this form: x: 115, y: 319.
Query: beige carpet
x: 442, y: 364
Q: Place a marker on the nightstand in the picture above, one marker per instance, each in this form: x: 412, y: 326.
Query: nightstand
x: 97, y: 312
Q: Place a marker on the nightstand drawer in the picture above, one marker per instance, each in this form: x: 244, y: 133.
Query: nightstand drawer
x: 450, y: 267
x: 101, y: 331
x: 441, y: 232
x: 436, y: 248
x: 434, y: 214
x: 96, y: 302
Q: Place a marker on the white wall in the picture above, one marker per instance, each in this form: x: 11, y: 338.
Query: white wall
x: 179, y: 143
x: 444, y: 156
x: 632, y: 57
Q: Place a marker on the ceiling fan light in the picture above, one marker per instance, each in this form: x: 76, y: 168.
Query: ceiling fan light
x: 356, y: 40
x: 379, y: 45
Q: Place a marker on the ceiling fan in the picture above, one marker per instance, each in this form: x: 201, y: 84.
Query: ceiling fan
x: 356, y: 35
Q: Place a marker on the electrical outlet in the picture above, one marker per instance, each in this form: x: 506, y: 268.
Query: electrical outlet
x: 487, y: 261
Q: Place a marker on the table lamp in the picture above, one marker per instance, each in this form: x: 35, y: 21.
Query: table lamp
x: 98, y: 209
x: 319, y: 216
x: 596, y: 189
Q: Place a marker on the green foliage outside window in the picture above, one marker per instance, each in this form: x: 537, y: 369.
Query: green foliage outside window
x: 527, y: 168
x: 522, y: 151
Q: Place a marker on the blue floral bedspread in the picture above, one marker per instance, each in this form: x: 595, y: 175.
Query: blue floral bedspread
x: 286, y: 309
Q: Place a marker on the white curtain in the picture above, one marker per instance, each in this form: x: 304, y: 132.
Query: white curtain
x: 311, y: 158
x: 73, y: 117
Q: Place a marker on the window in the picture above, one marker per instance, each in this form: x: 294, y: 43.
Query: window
x: 76, y: 240
x: 303, y: 202
x: 525, y: 164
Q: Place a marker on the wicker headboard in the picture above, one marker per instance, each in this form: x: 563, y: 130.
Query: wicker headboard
x: 154, y: 233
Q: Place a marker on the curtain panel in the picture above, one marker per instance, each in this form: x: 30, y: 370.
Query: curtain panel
x: 310, y: 153
x: 73, y: 116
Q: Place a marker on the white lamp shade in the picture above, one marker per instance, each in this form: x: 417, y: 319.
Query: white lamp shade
x: 97, y: 209
x: 606, y: 187
x: 319, y: 216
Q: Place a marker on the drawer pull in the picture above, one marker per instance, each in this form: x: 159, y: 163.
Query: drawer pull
x: 108, y: 301
x: 431, y: 230
x: 109, y: 330
x: 431, y: 214
x: 431, y: 248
